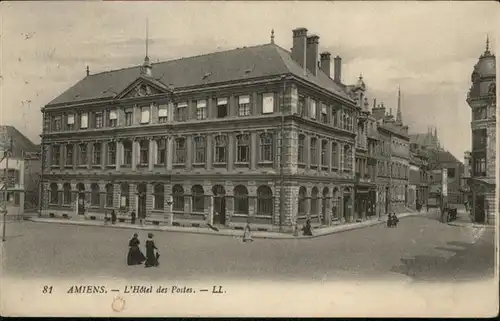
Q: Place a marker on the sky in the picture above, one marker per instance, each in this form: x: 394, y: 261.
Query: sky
x: 427, y: 48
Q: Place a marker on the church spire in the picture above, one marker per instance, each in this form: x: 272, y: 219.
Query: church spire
x: 399, y: 117
x: 146, y: 68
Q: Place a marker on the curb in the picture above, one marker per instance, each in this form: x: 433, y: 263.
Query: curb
x: 255, y: 235
x: 475, y: 225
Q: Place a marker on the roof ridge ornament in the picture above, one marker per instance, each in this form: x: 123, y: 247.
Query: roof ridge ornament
x: 272, y: 35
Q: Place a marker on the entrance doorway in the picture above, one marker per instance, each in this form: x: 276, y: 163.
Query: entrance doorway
x: 479, y: 215
x: 81, y: 199
x: 219, y: 214
x: 141, y: 200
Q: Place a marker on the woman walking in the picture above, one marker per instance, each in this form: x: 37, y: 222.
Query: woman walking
x: 247, y: 235
x: 151, y: 256
x: 135, y: 256
x: 113, y: 217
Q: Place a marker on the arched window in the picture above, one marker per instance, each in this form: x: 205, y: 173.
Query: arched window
x: 243, y: 148
x: 300, y: 154
x: 314, y: 201
x: 94, y: 195
x: 302, y: 201
x: 220, y: 154
x: 158, y: 195
x: 314, y: 153
x: 109, y: 195
x: 240, y: 200
x: 266, y: 147
x: 198, y: 199
x: 54, y: 194
x: 124, y: 195
x: 144, y: 152
x: 178, y: 198
x: 264, y: 201
x: 66, y: 194
x: 180, y: 150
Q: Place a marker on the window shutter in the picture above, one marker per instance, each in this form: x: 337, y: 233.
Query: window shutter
x: 84, y: 120
x: 268, y: 103
x: 244, y: 99
x: 113, y: 114
x: 221, y: 101
x: 71, y: 119
x: 145, y: 115
x: 162, y: 111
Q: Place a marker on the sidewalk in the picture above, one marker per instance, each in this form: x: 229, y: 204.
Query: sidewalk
x: 227, y: 232
x: 464, y: 219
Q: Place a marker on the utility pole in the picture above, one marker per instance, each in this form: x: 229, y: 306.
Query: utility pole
x: 5, y: 184
x: 282, y: 158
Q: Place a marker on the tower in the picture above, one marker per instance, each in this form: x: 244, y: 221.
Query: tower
x: 147, y: 68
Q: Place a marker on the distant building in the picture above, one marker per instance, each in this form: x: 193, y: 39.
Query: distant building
x: 419, y: 174
x: 482, y: 101
x: 443, y: 160
x: 429, y: 140
x: 22, y: 175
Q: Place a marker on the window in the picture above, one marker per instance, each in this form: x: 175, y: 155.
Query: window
x: 314, y: 151
x: 266, y: 147
x: 221, y: 107
x: 264, y: 201
x: 335, y: 155
x: 180, y: 151
x: 199, y: 149
x: 479, y: 113
x: 240, y: 200
x: 312, y: 109
x: 268, y: 103
x: 347, y: 158
x: 324, y: 153
x: 124, y: 195
x: 54, y: 194
x: 479, y: 139
x: 181, y: 112
x: 335, y: 116
x: 220, y: 149
x: 301, y: 105
x: 113, y: 118
x: 129, y: 118
x: 144, y: 152
x: 82, y: 154
x: 244, y: 106
x: 94, y: 195
x: 302, y: 201
x: 201, y: 109
x: 158, y: 195
x: 69, y: 155
x: 111, y: 153
x: 127, y: 153
x: 178, y: 198
x: 84, y: 120
x: 314, y: 201
x: 479, y: 165
x: 162, y: 150
x: 162, y: 114
x: 198, y: 199
x: 243, y: 148
x: 145, y: 114
x: 66, y: 194
x: 56, y: 155
x: 96, y: 154
x: 109, y: 195
x: 98, y: 120
x: 324, y: 115
x: 56, y: 123
x: 301, y: 152
x: 70, y: 123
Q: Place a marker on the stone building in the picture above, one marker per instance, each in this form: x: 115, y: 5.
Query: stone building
x: 482, y: 101
x: 394, y: 160
x: 213, y: 138
x: 419, y: 172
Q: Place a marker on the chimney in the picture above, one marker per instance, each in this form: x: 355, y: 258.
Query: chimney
x: 312, y: 54
x: 379, y: 111
x: 325, y: 62
x: 299, y: 46
x: 337, y: 72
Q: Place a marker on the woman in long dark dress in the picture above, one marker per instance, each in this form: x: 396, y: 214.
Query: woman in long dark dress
x: 135, y: 256
x: 151, y: 256
x: 307, y: 229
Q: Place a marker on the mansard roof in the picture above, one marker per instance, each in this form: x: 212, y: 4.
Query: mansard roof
x: 219, y: 67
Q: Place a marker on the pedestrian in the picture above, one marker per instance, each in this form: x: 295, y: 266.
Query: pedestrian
x: 135, y: 256
x: 307, y: 229
x: 113, y: 217
x: 151, y: 255
x: 247, y: 235
x: 132, y: 217
x: 296, y: 230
